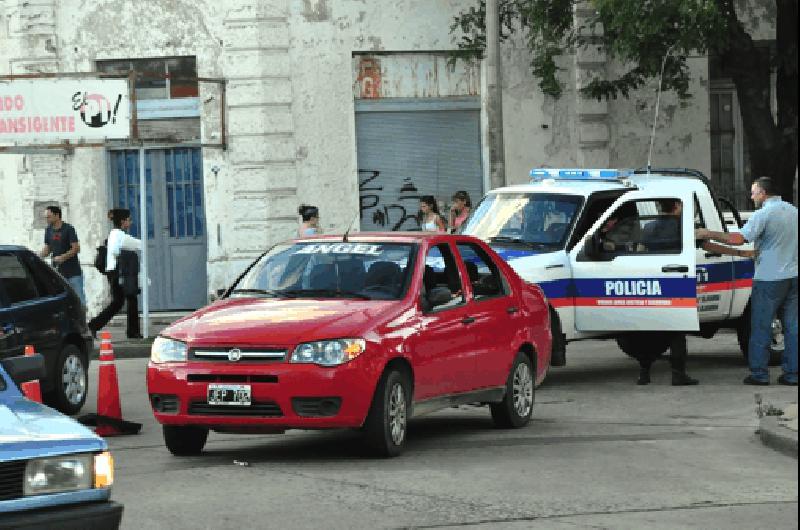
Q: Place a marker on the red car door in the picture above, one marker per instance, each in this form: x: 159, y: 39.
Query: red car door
x: 495, y: 312
x: 443, y: 345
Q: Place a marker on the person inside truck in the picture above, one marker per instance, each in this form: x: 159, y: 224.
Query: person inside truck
x: 664, y: 233
x: 621, y: 232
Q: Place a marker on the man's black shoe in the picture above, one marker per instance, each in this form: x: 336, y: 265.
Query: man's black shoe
x: 644, y: 378
x: 679, y: 379
x: 783, y: 381
x: 750, y: 380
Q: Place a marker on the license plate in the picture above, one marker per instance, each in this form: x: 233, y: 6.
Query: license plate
x: 229, y: 395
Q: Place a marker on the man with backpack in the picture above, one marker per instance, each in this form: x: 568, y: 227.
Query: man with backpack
x: 61, y: 241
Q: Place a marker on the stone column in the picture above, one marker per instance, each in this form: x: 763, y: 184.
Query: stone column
x: 257, y: 206
x: 592, y: 115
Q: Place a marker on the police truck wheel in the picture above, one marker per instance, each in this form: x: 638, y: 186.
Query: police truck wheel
x: 743, y: 337
x: 386, y: 426
x: 69, y: 381
x: 185, y: 440
x: 517, y: 406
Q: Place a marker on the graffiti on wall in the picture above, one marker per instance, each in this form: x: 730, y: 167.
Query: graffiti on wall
x: 387, y: 214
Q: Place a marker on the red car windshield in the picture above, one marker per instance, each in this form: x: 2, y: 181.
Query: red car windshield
x: 370, y: 271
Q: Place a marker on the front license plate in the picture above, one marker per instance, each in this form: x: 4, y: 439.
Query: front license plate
x: 229, y: 395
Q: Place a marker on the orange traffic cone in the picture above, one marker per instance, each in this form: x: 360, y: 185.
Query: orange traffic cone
x: 108, y: 420
x: 32, y: 390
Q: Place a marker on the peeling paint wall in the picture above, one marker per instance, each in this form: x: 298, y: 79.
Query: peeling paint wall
x: 413, y: 75
x: 682, y: 137
x: 323, y: 81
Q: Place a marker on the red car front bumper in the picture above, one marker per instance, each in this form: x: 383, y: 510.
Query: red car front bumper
x: 276, y: 391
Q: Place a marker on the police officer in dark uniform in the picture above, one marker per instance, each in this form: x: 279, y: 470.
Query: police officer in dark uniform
x: 664, y: 234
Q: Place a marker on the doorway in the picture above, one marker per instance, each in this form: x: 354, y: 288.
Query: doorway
x: 176, y: 225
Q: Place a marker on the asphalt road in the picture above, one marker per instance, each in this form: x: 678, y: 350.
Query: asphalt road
x: 601, y: 452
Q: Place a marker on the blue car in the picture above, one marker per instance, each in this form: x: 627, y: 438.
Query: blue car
x: 54, y: 473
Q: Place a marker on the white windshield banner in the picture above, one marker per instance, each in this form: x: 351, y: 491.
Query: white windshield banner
x: 341, y: 248
x: 55, y: 110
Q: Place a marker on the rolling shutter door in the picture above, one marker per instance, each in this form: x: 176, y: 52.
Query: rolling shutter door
x: 404, y: 155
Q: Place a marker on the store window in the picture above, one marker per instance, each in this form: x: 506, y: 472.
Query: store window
x: 160, y: 78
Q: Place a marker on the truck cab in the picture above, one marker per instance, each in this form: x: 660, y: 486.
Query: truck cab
x: 614, y: 251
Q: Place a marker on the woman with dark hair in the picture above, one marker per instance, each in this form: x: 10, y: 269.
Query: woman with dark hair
x: 429, y: 218
x: 459, y: 210
x: 310, y: 220
x: 122, y: 269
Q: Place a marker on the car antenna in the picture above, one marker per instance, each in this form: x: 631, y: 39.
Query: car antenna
x: 658, y: 101
x: 344, y: 237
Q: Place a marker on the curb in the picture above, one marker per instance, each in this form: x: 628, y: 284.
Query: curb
x: 777, y: 436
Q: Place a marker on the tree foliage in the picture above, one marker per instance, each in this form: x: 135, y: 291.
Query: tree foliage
x: 638, y: 33
x: 641, y: 35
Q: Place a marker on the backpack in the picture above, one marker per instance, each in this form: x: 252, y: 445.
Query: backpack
x: 100, y: 259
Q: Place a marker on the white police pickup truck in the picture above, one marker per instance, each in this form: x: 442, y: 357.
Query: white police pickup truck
x: 614, y: 251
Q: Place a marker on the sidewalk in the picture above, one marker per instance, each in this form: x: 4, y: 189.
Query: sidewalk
x: 125, y: 348
x: 780, y: 432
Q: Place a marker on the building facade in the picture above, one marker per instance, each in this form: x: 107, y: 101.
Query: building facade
x: 348, y: 105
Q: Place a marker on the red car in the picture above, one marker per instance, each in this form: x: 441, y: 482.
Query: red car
x: 365, y: 332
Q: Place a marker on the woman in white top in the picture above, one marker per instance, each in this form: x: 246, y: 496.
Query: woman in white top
x: 429, y: 218
x: 310, y: 221
x: 117, y: 242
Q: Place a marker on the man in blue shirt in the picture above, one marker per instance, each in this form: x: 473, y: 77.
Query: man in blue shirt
x: 773, y: 230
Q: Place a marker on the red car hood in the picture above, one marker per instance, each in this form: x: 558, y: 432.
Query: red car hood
x: 264, y: 321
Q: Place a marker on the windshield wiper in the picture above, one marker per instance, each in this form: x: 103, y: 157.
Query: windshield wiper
x: 265, y: 292
x: 517, y: 241
x: 325, y: 292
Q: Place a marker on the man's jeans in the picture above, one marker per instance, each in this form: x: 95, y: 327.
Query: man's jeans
x: 77, y: 283
x: 768, y: 300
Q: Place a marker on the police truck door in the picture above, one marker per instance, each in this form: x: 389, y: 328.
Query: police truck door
x: 635, y: 269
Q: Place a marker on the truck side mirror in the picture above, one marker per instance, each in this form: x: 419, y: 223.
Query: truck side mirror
x: 25, y: 368
x: 439, y: 296
x: 594, y: 246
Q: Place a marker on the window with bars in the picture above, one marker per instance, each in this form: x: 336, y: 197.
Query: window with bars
x: 125, y: 165
x: 184, y: 189
x: 174, y: 187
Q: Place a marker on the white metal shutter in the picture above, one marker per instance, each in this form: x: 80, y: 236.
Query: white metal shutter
x: 403, y: 155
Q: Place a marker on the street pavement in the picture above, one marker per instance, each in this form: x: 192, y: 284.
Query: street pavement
x: 600, y: 452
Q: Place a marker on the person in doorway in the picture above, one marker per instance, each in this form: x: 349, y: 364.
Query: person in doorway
x: 119, y: 271
x: 663, y: 234
x: 309, y: 224
x: 429, y: 218
x: 773, y: 230
x: 61, y: 241
x: 459, y: 210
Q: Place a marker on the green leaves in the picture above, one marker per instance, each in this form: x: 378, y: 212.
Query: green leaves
x: 637, y: 33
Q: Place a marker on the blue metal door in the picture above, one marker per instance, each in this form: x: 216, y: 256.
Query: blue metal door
x: 176, y: 227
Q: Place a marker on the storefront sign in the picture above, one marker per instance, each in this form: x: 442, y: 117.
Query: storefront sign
x: 55, y: 110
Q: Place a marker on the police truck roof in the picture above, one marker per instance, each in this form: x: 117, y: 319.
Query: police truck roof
x: 580, y: 181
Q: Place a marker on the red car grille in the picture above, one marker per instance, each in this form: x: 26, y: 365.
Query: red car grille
x: 263, y: 409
